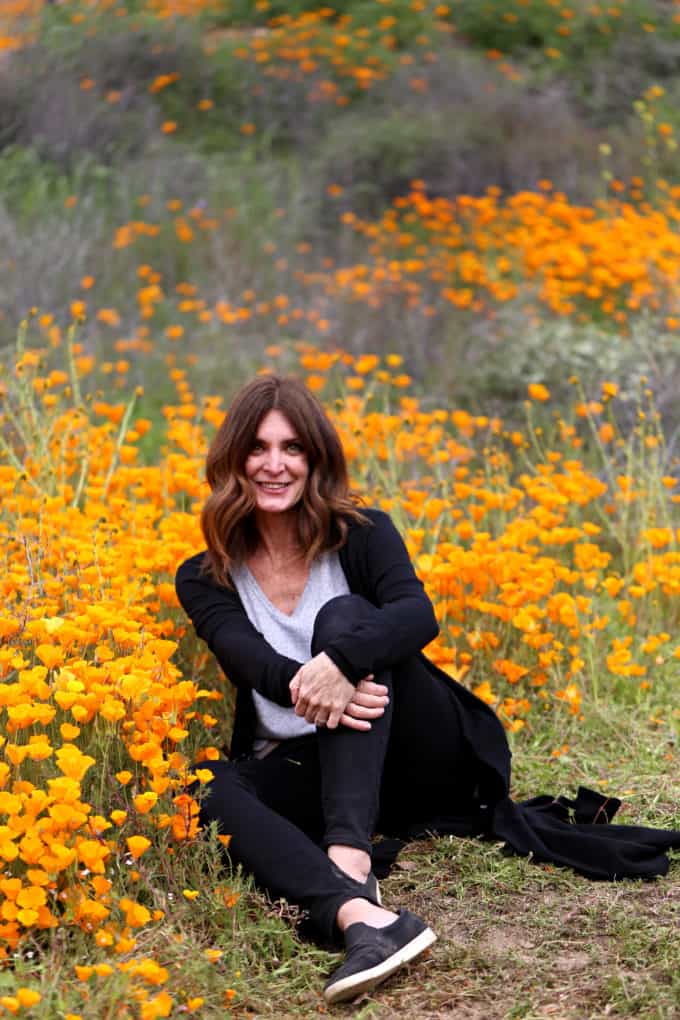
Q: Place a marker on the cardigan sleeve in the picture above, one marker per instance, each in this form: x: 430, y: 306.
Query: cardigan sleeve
x: 220, y: 620
x: 405, y: 621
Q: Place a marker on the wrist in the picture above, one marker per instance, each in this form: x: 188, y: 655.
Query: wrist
x: 343, y: 666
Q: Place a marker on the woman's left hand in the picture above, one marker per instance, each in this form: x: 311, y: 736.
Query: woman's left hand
x: 321, y: 692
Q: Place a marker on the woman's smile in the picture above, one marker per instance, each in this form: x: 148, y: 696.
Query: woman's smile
x: 273, y: 488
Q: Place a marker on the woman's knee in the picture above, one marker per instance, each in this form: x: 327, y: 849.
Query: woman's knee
x: 337, y: 616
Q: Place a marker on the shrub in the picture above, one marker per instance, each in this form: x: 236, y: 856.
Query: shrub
x: 106, y: 93
x: 469, y: 129
x: 409, y: 18
x: 605, y: 89
x: 50, y: 111
x: 376, y: 155
x: 582, y: 31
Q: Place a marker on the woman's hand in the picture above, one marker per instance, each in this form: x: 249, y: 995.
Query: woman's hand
x: 369, y: 702
x: 324, y: 696
x: 320, y: 691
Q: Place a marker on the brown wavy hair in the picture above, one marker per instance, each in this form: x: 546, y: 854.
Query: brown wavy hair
x: 327, y: 505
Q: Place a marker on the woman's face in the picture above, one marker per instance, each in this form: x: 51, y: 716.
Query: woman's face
x: 277, y: 465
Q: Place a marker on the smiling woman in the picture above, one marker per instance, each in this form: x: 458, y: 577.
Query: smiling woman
x: 342, y: 727
x: 275, y: 452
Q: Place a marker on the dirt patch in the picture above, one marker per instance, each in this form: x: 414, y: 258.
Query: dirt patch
x: 517, y: 940
x: 570, y: 962
x: 503, y: 941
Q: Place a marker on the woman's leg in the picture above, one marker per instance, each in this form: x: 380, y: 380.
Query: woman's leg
x: 324, y: 790
x: 429, y: 771
x: 351, y: 760
x: 271, y: 807
x: 411, y: 767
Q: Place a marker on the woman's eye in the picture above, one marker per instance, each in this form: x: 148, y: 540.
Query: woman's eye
x: 295, y: 447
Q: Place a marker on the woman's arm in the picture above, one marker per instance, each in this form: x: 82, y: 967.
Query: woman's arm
x: 221, y: 621
x: 405, y: 620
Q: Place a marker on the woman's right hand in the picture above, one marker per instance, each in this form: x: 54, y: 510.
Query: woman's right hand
x: 315, y: 686
x: 369, y: 701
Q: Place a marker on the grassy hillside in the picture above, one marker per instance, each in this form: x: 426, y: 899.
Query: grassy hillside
x: 271, y: 172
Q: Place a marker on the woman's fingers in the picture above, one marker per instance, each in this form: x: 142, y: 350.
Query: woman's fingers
x: 369, y: 700
x: 367, y: 686
x: 354, y: 724
x: 334, y: 718
x: 367, y: 706
x: 364, y: 712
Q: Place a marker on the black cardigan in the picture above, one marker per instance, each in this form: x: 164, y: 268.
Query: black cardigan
x: 377, y: 566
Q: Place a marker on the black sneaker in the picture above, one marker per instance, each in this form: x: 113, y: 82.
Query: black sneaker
x: 373, y: 954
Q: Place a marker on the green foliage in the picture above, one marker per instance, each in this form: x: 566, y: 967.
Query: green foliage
x: 469, y: 130
x: 375, y: 156
x: 579, y: 30
x: 495, y: 369
x: 405, y: 20
x: 32, y: 186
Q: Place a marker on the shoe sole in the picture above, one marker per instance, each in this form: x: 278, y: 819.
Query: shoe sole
x: 364, y: 981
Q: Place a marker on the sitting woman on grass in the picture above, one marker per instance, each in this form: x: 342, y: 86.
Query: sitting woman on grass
x: 343, y: 728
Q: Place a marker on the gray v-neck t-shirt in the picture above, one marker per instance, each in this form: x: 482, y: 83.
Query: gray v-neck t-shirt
x: 288, y: 635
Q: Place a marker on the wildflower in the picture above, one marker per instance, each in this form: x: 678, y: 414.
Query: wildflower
x: 144, y: 802
x: 159, y: 1006
x: 538, y: 392
x: 137, y: 845
x: 136, y: 915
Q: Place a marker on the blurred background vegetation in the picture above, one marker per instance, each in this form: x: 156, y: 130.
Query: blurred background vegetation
x: 211, y: 178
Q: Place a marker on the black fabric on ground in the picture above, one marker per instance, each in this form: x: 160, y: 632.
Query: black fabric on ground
x: 570, y: 833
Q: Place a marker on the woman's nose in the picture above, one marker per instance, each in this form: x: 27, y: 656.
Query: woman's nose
x: 274, y: 460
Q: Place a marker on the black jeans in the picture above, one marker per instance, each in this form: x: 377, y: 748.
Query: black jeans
x: 339, y: 786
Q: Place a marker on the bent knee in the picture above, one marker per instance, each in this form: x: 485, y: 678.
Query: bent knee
x: 336, y: 616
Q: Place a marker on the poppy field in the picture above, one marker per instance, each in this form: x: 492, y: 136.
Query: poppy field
x: 551, y: 559
x: 501, y: 366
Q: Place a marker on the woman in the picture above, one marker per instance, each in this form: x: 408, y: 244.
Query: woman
x: 342, y: 727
